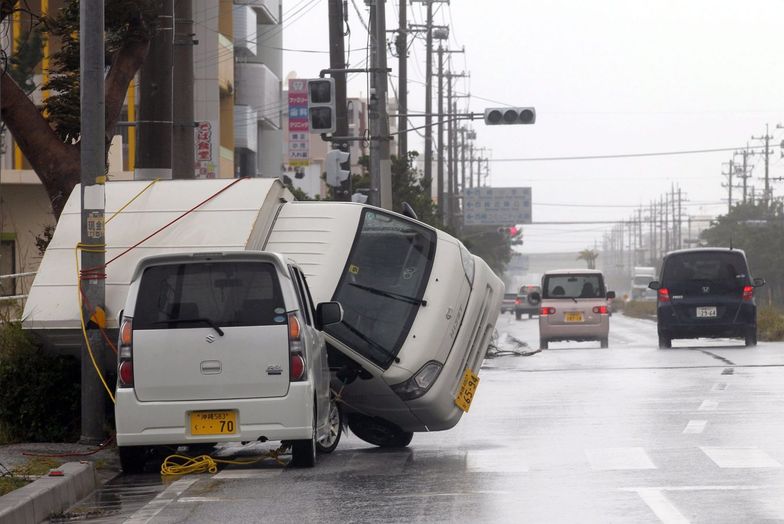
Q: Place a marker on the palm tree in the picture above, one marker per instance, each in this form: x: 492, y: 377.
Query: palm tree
x: 590, y: 256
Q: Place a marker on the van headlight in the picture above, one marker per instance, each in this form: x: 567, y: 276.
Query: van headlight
x: 420, y: 383
x: 468, y: 264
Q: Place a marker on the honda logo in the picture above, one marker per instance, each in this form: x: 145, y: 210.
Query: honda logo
x: 705, y: 289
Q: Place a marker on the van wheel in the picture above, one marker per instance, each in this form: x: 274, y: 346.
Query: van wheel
x: 303, y: 452
x: 379, y: 432
x: 665, y: 342
x: 542, y: 343
x: 334, y: 429
x: 604, y: 343
x: 751, y: 338
x: 518, y: 315
x: 132, y: 458
x: 530, y: 315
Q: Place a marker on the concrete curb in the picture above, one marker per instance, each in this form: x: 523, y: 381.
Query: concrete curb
x: 38, y: 500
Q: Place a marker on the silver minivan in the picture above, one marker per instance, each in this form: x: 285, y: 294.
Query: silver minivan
x: 221, y: 347
x: 574, y: 306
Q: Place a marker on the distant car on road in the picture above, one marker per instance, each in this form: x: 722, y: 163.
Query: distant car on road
x: 706, y: 292
x: 527, y: 302
x: 508, y: 303
x: 574, y: 307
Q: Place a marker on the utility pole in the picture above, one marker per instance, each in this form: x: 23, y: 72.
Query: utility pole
x: 402, y: 88
x: 440, y: 167
x: 728, y: 185
x: 182, y: 110
x: 92, y: 280
x: 766, y: 138
x: 154, y: 154
x: 429, y: 100
x: 337, y: 62
x: 652, y: 232
x: 380, y: 166
x: 680, y: 220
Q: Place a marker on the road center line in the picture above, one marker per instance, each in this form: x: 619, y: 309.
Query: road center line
x: 661, y: 506
x: 709, y: 405
x: 695, y: 426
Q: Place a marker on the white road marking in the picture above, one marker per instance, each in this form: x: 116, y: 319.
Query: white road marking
x: 164, y: 498
x: 721, y: 386
x: 618, y: 458
x: 200, y: 499
x: 695, y: 426
x: 709, y: 405
x: 231, y: 474
x: 740, y: 458
x: 661, y: 506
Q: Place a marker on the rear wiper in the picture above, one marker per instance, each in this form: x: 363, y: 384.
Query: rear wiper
x: 389, y: 294
x: 202, y: 320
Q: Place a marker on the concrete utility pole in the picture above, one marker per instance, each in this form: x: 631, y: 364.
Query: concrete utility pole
x: 337, y: 61
x: 440, y: 182
x: 766, y: 195
x: 93, y: 240
x: 402, y: 88
x: 183, y: 143
x: 380, y: 166
x: 154, y: 155
x: 728, y: 185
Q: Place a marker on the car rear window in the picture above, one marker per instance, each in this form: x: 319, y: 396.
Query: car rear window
x: 178, y: 296
x: 724, y: 269
x: 576, y: 285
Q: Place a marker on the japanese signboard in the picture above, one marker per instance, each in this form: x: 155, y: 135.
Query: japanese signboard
x: 299, y: 136
x: 206, y: 164
x: 497, y: 206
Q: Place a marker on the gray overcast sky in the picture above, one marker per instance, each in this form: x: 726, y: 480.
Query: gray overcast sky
x: 606, y: 77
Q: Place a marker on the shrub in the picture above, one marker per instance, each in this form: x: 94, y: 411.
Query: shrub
x: 40, y: 393
x: 770, y: 324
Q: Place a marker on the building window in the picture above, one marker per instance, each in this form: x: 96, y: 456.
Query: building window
x: 7, y: 267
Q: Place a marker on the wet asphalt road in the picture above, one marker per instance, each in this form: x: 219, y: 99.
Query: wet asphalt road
x: 570, y: 434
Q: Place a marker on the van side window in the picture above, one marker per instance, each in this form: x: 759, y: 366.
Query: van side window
x: 182, y: 296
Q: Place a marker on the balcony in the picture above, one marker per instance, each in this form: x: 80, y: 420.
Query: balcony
x: 245, y: 128
x: 268, y: 11
x: 244, y: 31
x: 258, y: 88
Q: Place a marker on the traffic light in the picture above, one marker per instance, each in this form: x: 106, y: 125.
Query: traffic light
x: 512, y: 233
x: 321, y: 105
x: 335, y: 175
x: 507, y: 116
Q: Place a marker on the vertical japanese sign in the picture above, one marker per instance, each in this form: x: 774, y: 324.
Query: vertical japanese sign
x: 206, y: 150
x: 299, y: 135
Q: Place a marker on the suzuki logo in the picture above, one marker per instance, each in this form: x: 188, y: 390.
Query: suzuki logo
x: 705, y: 289
x: 210, y: 338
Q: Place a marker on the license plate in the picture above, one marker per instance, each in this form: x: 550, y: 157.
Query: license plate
x: 706, y: 312
x: 467, y: 390
x: 573, y: 316
x: 213, y: 422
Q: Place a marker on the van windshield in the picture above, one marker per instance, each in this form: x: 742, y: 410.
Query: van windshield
x: 382, y: 285
x: 190, y: 295
x: 642, y: 281
x: 725, y: 271
x: 575, y: 285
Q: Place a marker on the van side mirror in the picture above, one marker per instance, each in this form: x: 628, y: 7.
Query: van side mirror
x: 535, y: 297
x: 654, y: 285
x: 759, y: 282
x: 611, y: 295
x: 328, y: 313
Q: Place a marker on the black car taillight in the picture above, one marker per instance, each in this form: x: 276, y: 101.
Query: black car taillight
x: 748, y: 293
x: 125, y: 354
x: 664, y: 295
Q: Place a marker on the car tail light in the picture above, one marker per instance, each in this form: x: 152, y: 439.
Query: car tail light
x: 125, y: 354
x: 544, y: 311
x: 664, y: 294
x: 518, y: 301
x: 297, y: 365
x: 601, y: 310
x: 748, y: 293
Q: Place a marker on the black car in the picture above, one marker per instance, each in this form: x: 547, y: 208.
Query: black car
x: 527, y: 301
x: 706, y: 292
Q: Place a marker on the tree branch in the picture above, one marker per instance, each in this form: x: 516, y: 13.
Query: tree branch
x: 125, y: 64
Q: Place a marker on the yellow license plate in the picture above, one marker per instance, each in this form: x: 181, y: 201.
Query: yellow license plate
x: 467, y: 390
x: 573, y: 316
x: 213, y: 422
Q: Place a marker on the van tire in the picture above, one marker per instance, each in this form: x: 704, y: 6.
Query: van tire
x: 542, y: 343
x: 604, y: 343
x: 303, y: 452
x: 379, y: 432
x: 751, y: 338
x: 665, y: 342
x: 132, y: 458
x: 334, y: 428
x: 518, y: 315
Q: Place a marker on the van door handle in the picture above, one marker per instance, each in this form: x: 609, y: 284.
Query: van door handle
x: 211, y: 367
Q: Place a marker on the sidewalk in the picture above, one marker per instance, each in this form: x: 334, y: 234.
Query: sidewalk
x: 83, y: 467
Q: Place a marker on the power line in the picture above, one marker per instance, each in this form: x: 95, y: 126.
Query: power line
x: 620, y: 155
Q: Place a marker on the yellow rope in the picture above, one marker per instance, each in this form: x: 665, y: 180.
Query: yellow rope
x: 100, y: 249
x: 184, y: 465
x: 148, y: 186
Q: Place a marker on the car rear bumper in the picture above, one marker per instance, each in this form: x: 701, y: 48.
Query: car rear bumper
x: 167, y: 423
x: 742, y: 322
x: 549, y: 331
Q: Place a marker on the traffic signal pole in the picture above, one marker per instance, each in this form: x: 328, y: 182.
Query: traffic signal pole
x: 337, y: 63
x: 380, y: 164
